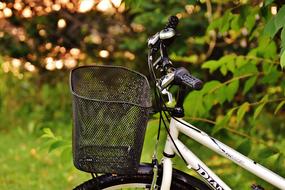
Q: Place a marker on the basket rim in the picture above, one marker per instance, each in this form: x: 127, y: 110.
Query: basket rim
x: 148, y: 105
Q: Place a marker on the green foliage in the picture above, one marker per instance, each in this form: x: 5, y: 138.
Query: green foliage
x: 263, y: 101
x: 282, y: 41
x: 282, y: 59
x: 244, y: 147
x: 279, y: 107
x: 267, y: 152
x: 241, y: 111
x: 249, y: 84
x: 246, y: 85
x: 276, y: 23
x: 28, y: 111
x: 232, y: 46
x: 56, y: 142
x: 273, y: 26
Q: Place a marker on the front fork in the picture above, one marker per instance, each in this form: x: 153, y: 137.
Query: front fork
x: 168, y: 154
x: 167, y: 174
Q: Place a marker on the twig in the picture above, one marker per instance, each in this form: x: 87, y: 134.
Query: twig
x: 260, y: 102
x: 213, y: 33
x: 201, y: 119
x: 234, y: 79
x: 231, y: 130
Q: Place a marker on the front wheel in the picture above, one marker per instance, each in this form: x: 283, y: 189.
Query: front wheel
x: 142, y: 180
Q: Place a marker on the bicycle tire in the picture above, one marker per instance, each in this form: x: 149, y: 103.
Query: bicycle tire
x: 143, y: 179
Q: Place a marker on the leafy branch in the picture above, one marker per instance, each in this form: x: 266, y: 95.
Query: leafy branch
x: 231, y: 130
x: 234, y: 79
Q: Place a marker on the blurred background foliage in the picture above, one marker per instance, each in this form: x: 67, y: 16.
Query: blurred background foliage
x: 236, y: 47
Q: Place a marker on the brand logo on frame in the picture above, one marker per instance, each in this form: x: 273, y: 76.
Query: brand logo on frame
x: 206, y: 176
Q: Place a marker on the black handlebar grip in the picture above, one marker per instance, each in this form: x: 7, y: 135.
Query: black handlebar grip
x: 172, y: 22
x: 182, y: 76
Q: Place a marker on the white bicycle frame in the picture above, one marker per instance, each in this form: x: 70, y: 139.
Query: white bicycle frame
x: 178, y: 125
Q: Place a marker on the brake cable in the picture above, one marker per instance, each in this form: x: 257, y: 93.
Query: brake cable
x: 167, y: 130
x: 161, y: 101
x: 154, y: 156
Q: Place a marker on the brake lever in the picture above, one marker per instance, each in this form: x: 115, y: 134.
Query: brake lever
x: 169, y: 95
x: 165, y: 81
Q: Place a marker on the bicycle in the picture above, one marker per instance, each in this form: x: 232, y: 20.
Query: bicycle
x: 103, y: 151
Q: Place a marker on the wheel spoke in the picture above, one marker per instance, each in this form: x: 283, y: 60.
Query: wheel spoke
x: 129, y: 186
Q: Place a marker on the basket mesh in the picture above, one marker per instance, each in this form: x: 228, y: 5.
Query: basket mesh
x: 110, y: 111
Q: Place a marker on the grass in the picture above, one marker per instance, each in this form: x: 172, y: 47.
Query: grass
x: 26, y: 165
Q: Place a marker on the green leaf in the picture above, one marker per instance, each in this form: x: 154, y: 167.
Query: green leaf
x: 194, y: 104
x: 267, y: 152
x: 56, y: 144
x: 224, y: 27
x: 266, y: 48
x: 209, y: 101
x: 279, y: 162
x: 212, y: 65
x: 279, y: 107
x: 270, y: 28
x: 280, y: 17
x: 241, y: 61
x: 220, y: 94
x: 271, y: 74
x: 224, y: 70
x: 269, y: 51
x: 282, y: 40
x: 48, y: 133
x: 246, y: 69
x: 232, y: 89
x: 235, y: 23
x: 276, y: 22
x: 250, y: 21
x: 257, y: 111
x: 231, y: 66
x: 241, y: 111
x: 215, y: 24
x: 244, y: 147
x: 209, y: 98
x: 228, y: 58
x: 282, y: 59
x: 249, y: 84
x: 267, y: 2
x: 210, y: 85
x: 221, y: 123
x: 271, y: 161
x: 227, y: 62
x: 224, y: 62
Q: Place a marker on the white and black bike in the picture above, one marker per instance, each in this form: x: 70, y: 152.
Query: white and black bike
x: 111, y: 106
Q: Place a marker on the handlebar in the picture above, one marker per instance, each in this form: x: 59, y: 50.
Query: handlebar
x: 172, y: 22
x: 182, y: 76
x: 165, y: 36
x: 160, y: 41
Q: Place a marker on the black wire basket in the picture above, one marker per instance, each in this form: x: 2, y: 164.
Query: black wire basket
x: 110, y: 113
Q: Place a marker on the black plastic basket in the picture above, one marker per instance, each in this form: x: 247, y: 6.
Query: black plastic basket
x: 110, y: 113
